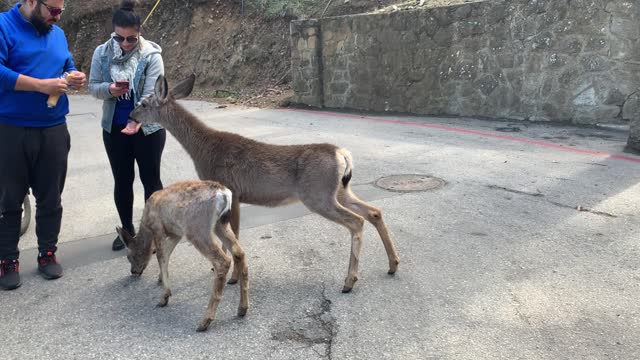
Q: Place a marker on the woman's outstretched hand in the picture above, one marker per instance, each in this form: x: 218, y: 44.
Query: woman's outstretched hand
x: 132, y: 128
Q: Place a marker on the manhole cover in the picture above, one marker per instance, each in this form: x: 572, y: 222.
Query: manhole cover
x: 409, y: 183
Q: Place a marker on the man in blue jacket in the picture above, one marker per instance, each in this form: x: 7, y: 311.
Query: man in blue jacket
x: 34, y: 140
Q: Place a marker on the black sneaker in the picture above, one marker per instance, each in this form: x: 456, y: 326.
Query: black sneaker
x: 118, y: 244
x: 9, y: 274
x: 48, y: 266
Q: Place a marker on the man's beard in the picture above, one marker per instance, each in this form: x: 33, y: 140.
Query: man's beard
x: 39, y: 22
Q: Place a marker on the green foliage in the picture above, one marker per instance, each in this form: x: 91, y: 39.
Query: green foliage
x: 223, y: 94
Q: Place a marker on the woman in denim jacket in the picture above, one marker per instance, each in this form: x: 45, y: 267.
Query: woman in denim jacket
x: 123, y: 71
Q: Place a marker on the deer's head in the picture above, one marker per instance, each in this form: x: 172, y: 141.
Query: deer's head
x: 154, y: 108
x: 138, y: 249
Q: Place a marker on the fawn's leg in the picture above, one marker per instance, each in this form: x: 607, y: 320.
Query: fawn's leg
x: 235, y: 226
x: 226, y: 235
x: 163, y: 252
x: 332, y: 210
x: 174, y: 238
x: 374, y: 216
x: 204, y: 242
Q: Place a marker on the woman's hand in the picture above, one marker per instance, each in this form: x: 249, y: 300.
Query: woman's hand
x: 116, y: 90
x: 132, y: 128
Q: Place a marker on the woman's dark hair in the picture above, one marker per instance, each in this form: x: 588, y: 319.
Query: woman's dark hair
x: 125, y: 16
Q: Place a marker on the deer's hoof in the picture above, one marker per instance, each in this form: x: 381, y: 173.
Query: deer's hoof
x: 163, y: 302
x: 393, y: 267
x: 232, y: 281
x: 242, y: 311
x: 204, y: 325
x: 346, y: 289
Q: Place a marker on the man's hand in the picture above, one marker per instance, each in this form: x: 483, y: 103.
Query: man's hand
x: 78, y: 80
x: 53, y: 86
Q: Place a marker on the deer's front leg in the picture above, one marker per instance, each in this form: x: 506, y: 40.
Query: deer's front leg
x: 162, y: 253
x: 164, y: 279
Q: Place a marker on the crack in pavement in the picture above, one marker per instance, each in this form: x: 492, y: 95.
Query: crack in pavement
x: 327, y: 321
x: 559, y: 204
x: 317, y: 327
x: 518, y: 304
x: 582, y: 208
x: 496, y: 187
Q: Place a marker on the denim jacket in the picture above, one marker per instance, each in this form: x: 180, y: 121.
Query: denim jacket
x: 150, y: 67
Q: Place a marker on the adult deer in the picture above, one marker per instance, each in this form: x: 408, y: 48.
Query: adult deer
x: 257, y: 173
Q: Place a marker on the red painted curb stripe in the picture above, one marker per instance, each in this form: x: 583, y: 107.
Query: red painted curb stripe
x: 473, y: 132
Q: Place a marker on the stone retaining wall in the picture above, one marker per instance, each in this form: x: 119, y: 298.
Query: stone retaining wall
x: 557, y: 60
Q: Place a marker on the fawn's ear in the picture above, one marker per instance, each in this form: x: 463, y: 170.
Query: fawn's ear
x: 184, y: 87
x: 162, y: 88
x: 124, y: 236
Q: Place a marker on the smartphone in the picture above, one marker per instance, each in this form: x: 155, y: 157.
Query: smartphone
x: 122, y: 84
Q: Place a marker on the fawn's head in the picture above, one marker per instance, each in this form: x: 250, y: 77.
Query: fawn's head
x: 154, y: 108
x: 138, y: 249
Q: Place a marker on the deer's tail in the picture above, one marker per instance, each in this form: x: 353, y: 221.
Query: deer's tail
x: 223, y: 204
x: 344, y: 157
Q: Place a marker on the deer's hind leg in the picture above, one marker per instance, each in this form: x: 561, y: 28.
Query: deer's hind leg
x: 374, y: 216
x: 202, y: 240
x: 235, y: 227
x: 334, y: 211
x: 226, y: 235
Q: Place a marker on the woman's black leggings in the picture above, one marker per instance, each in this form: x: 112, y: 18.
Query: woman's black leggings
x: 123, y: 150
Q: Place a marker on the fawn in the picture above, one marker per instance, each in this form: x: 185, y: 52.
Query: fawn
x: 189, y: 209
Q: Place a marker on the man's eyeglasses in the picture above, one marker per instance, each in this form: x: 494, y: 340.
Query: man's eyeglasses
x: 54, y: 11
x: 130, y: 39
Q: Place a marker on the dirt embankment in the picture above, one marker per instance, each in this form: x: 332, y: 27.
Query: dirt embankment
x: 236, y: 55
x: 231, y: 54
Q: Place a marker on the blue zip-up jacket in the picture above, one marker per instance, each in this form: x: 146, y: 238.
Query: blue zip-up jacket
x: 24, y: 51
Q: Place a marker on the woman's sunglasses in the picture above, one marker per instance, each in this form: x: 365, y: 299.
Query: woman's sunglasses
x: 130, y: 39
x: 54, y: 11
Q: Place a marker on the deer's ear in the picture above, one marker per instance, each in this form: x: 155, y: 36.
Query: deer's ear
x: 161, y: 88
x: 124, y: 236
x: 184, y: 88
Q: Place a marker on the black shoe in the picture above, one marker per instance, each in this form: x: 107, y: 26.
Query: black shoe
x: 9, y: 274
x: 48, y: 266
x: 118, y: 244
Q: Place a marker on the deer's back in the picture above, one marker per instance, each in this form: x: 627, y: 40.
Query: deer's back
x: 185, y: 202
x: 262, y: 173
